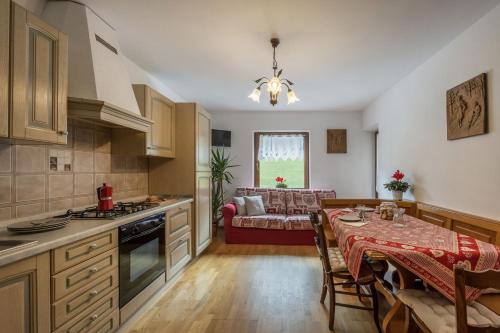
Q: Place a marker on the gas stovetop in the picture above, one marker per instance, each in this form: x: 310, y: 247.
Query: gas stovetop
x: 119, y: 209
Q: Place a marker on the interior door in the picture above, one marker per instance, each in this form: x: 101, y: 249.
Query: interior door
x: 203, y: 139
x: 161, y: 139
x: 4, y: 67
x: 39, y: 79
x: 203, y: 204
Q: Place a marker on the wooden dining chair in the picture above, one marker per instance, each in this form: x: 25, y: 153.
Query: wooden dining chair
x: 433, y: 313
x: 334, y: 266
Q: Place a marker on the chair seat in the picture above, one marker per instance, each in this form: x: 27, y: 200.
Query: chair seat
x: 438, y: 313
x: 336, y: 260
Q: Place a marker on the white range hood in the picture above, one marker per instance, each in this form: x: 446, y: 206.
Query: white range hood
x: 99, y: 87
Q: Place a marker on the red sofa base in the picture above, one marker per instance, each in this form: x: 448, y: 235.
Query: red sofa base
x: 234, y: 235
x: 266, y: 236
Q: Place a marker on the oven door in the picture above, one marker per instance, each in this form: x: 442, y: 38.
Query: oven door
x: 142, y: 260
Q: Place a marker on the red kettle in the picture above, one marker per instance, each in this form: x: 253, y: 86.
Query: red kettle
x: 104, y: 195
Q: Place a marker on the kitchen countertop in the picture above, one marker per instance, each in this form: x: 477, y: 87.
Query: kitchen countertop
x: 74, y: 231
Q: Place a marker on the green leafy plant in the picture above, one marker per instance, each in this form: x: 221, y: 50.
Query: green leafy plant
x: 221, y: 164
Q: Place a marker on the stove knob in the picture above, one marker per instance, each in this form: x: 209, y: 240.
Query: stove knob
x: 136, y: 230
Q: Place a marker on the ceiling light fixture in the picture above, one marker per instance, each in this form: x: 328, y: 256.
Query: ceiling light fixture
x: 274, y: 84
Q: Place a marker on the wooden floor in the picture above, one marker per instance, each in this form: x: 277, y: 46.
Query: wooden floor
x: 251, y: 288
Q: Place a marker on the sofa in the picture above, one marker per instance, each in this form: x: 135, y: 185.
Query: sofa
x: 286, y: 221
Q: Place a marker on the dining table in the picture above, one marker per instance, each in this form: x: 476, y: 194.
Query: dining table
x: 417, y: 250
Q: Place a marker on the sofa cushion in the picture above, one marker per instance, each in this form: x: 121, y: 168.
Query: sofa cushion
x: 438, y: 313
x: 254, y: 205
x: 239, y: 202
x: 273, y: 199
x: 268, y: 221
x: 298, y: 222
x: 301, y: 202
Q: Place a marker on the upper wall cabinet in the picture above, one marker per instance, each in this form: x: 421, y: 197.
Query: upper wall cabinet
x: 4, y: 67
x: 39, y: 68
x: 159, y: 141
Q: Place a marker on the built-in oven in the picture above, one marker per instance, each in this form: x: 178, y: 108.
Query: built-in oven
x: 142, y: 255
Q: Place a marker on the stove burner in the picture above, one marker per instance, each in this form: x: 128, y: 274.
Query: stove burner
x: 119, y: 209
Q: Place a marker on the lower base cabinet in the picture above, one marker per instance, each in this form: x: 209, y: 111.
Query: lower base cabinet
x: 85, y: 281
x: 179, y: 246
x: 25, y: 296
x: 178, y: 254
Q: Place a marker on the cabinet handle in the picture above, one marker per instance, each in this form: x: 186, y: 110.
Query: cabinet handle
x: 93, y: 293
x: 94, y: 317
x: 93, y: 270
x: 62, y: 132
x: 149, y: 147
x: 92, y: 246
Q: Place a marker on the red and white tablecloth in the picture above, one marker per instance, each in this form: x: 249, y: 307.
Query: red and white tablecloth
x: 427, y: 250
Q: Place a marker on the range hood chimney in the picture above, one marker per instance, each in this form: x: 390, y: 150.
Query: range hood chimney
x: 99, y: 87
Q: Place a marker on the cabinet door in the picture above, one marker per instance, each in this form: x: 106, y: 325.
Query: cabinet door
x: 203, y: 139
x: 161, y: 139
x: 203, y: 204
x: 39, y: 79
x: 25, y: 296
x: 4, y: 67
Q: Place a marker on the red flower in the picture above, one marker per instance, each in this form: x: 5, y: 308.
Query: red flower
x: 398, y: 175
x: 280, y: 179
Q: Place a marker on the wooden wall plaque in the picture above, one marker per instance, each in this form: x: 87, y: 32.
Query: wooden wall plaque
x: 336, y: 141
x: 466, y: 108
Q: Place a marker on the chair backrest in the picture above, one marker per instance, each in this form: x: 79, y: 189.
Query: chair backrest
x: 480, y: 280
x: 320, y: 239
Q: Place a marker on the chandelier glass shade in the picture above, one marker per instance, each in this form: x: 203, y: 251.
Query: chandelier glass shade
x: 275, y: 84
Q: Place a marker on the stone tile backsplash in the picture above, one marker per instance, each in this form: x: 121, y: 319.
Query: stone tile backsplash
x: 41, y: 178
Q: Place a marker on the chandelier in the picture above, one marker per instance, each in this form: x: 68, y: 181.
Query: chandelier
x: 274, y: 84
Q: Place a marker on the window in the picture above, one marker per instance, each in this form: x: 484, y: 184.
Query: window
x: 281, y: 154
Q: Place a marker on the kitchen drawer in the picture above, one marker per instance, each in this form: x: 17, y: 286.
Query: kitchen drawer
x: 75, y: 253
x: 80, y: 300
x: 79, y: 276
x: 91, y: 318
x: 108, y: 324
x: 178, y: 222
x: 178, y: 255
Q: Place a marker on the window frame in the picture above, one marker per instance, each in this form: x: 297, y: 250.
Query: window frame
x: 256, y: 163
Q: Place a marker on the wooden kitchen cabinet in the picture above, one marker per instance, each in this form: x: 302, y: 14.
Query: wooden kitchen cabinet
x: 159, y: 141
x: 189, y: 173
x: 39, y: 70
x: 4, y: 67
x: 179, y: 247
x: 203, y: 200
x: 25, y: 296
x: 203, y: 139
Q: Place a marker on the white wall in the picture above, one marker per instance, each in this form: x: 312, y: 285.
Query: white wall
x: 411, y: 117
x: 350, y: 175
x: 139, y: 75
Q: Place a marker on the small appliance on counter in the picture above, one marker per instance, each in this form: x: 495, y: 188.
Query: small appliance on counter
x: 105, y: 197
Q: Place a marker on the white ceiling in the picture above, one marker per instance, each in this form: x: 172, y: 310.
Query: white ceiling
x: 341, y: 54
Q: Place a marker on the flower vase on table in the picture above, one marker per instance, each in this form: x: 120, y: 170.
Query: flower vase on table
x: 397, y: 186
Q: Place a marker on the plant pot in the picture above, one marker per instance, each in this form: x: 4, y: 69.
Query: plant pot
x: 397, y: 195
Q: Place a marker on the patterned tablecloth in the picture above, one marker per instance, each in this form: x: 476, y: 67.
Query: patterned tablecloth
x: 427, y: 250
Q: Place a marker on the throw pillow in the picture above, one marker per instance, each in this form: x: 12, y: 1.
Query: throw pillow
x: 254, y: 205
x: 240, y: 205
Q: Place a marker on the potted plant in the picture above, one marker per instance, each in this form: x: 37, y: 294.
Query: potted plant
x: 220, y: 166
x: 280, y: 182
x: 397, y: 185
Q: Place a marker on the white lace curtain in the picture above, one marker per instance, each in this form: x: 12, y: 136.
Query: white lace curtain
x: 281, y: 147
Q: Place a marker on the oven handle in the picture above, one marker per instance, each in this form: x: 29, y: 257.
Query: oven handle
x: 144, y: 233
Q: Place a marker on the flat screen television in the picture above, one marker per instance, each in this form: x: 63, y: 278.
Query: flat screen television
x: 221, y: 138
